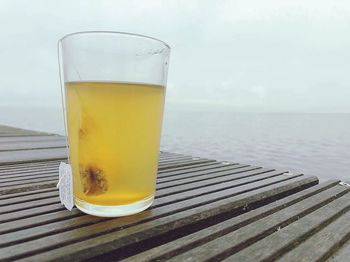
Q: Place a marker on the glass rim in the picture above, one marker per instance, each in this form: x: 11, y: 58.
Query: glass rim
x: 114, y: 33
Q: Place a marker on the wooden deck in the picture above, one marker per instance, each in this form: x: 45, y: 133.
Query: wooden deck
x: 204, y: 210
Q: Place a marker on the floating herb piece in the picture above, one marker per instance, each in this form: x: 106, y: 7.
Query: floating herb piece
x: 93, y: 180
x: 82, y: 133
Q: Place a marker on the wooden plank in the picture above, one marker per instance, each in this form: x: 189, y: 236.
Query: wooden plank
x: 33, y: 139
x: 29, y: 204
x: 203, y: 210
x: 204, y: 165
x: 23, y: 170
x: 36, y: 211
x: 17, y: 167
x: 6, y: 127
x: 40, y: 161
x: 323, y: 244
x: 184, y: 163
x: 29, y: 193
x: 22, y: 198
x: 186, y: 176
x: 28, y: 178
x: 218, y: 173
x: 190, y: 241
x: 205, y: 187
x: 13, y: 187
x: 22, y: 177
x: 194, y: 167
x: 28, y: 155
x: 12, y: 175
x: 29, y: 181
x: 37, y: 221
x: 341, y: 255
x: 162, y: 189
x: 26, y: 145
x: 186, y: 190
x: 27, y: 187
x: 226, y: 245
x: 161, y: 185
x: 43, y: 169
x: 69, y: 223
x: 175, y: 159
x: 172, y: 157
x: 32, y: 155
x: 13, y: 131
x: 284, y: 239
x: 149, y: 232
x: 176, y: 195
x: 26, y: 175
x: 21, y: 133
x: 21, y: 194
x: 169, y: 155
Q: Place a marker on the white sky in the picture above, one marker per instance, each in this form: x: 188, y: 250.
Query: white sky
x: 277, y: 56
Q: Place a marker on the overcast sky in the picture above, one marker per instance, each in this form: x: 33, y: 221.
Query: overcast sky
x: 277, y: 56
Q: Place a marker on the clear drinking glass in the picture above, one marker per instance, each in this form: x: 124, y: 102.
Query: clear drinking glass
x: 113, y: 91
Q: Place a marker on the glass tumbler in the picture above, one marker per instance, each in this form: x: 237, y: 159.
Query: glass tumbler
x: 113, y: 87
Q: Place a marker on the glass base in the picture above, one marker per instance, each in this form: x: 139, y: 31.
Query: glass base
x: 113, y: 211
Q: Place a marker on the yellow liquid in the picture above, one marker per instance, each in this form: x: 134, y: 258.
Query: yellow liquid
x: 114, y: 134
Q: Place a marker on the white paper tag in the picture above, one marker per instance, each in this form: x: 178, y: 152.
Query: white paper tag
x: 65, y: 185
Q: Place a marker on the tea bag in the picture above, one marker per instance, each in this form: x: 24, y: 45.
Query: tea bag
x: 93, y: 180
x: 92, y: 177
x: 65, y: 185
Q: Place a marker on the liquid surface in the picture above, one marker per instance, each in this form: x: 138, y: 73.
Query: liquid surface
x: 114, y: 135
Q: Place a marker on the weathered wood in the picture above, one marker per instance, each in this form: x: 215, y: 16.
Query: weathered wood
x: 23, y: 171
x: 28, y: 177
x: 342, y: 254
x: 207, y: 165
x: 218, y: 174
x: 321, y: 245
x: 18, y: 166
x: 32, y: 212
x: 286, y: 238
x: 18, y: 180
x: 204, y: 188
x: 7, y: 131
x: 33, y: 139
x: 34, y: 222
x: 26, y: 145
x: 32, y: 155
x: 25, y: 182
x: 42, y: 194
x: 28, y: 166
x: 229, y: 244
x: 165, y: 220
x: 27, y: 187
x: 190, y: 190
x: 203, y: 210
x: 19, y: 195
x: 180, y: 245
x: 176, y: 159
x: 184, y: 163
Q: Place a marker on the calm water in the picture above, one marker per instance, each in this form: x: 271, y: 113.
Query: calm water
x: 313, y: 144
